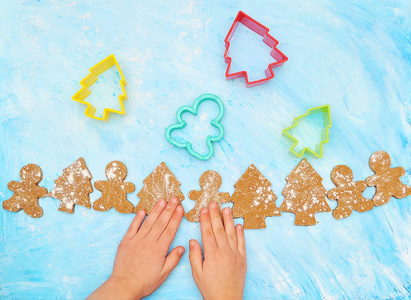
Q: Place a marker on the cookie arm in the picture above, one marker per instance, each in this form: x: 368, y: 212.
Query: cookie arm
x: 332, y: 194
x: 98, y: 185
x: 223, y: 197
x: 41, y: 192
x: 194, y: 195
x: 361, y: 186
x: 399, y: 171
x: 371, y: 180
x: 129, y: 187
x: 13, y: 185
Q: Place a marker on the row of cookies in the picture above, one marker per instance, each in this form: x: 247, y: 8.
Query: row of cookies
x: 253, y: 199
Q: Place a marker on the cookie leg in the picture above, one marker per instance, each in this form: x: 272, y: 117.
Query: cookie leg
x: 99, y: 205
x: 125, y: 207
x: 193, y: 215
x: 341, y: 212
x: 11, y: 205
x: 34, y: 211
x: 381, y: 198
x: 365, y: 206
x: 404, y: 192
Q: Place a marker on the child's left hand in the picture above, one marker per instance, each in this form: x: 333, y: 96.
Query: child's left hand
x: 142, y: 264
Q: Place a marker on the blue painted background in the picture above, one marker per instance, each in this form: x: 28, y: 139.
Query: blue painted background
x: 353, y: 55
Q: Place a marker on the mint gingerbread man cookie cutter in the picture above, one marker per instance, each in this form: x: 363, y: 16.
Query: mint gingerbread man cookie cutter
x: 182, y: 124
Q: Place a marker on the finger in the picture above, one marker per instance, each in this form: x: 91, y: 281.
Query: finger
x: 207, y: 234
x: 135, y: 224
x: 172, y: 260
x: 217, y: 224
x: 196, y: 258
x: 229, y: 228
x: 241, y: 240
x: 170, y: 231
x: 152, y: 217
x: 162, y: 221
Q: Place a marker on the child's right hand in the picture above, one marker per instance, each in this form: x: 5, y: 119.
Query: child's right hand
x: 221, y: 275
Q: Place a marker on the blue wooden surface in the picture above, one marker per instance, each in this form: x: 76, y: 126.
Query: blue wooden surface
x: 353, y: 55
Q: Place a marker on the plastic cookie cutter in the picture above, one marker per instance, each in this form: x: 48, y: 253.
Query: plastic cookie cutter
x: 326, y: 113
x: 270, y: 41
x: 194, y: 110
x: 90, y: 79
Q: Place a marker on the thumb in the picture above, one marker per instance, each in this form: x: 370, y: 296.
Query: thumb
x: 172, y: 260
x: 196, y: 258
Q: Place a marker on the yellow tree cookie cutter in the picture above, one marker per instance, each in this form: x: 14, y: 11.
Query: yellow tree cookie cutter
x: 89, y: 80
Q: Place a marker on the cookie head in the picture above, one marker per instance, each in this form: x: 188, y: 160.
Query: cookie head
x: 116, y: 170
x: 380, y: 161
x: 31, y: 173
x: 341, y: 175
x: 210, y: 179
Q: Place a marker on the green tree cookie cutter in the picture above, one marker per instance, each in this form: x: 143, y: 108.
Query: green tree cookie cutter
x: 194, y: 110
x: 325, y: 110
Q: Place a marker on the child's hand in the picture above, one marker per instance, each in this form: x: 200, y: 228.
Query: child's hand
x: 221, y: 275
x: 142, y: 263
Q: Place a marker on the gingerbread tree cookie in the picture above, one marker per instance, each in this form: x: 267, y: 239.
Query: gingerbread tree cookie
x: 210, y: 182
x: 27, y: 192
x: 304, y: 194
x: 73, y: 187
x: 253, y: 199
x: 160, y: 184
x: 386, y: 179
x: 115, y: 190
x: 348, y: 193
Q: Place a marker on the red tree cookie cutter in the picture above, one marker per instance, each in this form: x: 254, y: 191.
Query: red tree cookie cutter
x: 260, y: 29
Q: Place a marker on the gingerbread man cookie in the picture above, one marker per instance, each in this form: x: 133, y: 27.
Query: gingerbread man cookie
x: 386, y: 179
x: 210, y: 182
x: 114, y: 190
x: 348, y: 193
x: 27, y: 192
